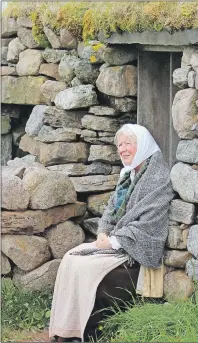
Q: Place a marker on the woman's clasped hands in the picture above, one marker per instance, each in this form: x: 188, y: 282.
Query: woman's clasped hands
x: 102, y: 241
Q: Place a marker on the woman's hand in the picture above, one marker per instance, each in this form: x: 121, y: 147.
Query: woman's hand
x: 103, y: 242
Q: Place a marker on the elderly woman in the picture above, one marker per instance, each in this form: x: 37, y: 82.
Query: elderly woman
x: 134, y: 227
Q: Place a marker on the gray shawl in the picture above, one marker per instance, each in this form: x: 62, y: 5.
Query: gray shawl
x: 143, y: 230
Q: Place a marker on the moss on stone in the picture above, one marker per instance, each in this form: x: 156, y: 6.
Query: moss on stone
x: 86, y: 19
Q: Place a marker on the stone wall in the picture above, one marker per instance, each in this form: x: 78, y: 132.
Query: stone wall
x: 61, y: 108
x: 182, y: 253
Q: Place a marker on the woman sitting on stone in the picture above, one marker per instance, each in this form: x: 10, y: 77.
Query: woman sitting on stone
x: 134, y: 227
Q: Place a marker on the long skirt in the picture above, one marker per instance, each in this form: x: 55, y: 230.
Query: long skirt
x: 75, y: 290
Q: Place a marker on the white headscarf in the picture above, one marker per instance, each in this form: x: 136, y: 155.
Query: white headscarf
x: 146, y: 146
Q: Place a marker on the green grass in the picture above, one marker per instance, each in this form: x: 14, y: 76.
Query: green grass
x: 23, y: 310
x: 152, y: 322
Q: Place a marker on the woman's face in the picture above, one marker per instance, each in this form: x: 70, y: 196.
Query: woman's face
x: 127, y: 148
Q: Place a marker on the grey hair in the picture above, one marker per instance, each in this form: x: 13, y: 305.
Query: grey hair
x: 125, y: 130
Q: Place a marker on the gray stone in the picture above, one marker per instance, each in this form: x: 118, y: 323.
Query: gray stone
x: 48, y: 189
x: 178, y: 286
x: 15, y: 47
x: 91, y: 52
x: 186, y: 57
x: 27, y: 252
x: 63, y: 237
x: 187, y: 151
x: 66, y: 67
x: 53, y: 56
x: 76, y: 97
x: 17, y: 133
x: 194, y: 60
x: 185, y: 181
x: 10, y: 110
x: 5, y: 41
x: 63, y: 152
x: 5, y: 265
x: 24, y: 22
x: 23, y: 161
x: 116, y: 169
x: 75, y: 82
x: 99, y: 141
x: 13, y: 171
x: 94, y: 183
x: 91, y: 225
x: 5, y: 70
x: 104, y: 153
x: 192, y: 269
x: 88, y: 133
x: 38, y: 279
x: 176, y: 258
x: 35, y: 121
x: 184, y: 112
x: 52, y: 38
x: 12, y: 185
x: 30, y: 145
x: 51, y: 88
x: 13, y: 90
x: 36, y: 221
x: 192, y: 243
x: 180, y: 77
x: 5, y: 125
x: 191, y: 79
x: 50, y: 69
x: 96, y: 203
x: 196, y: 81
x: 92, y: 122
x: 29, y: 62
x: 177, y: 238
x: 118, y: 55
x: 4, y: 52
x: 79, y: 169
x: 47, y: 134
x: 67, y: 39
x: 26, y: 38
x: 8, y: 27
x: 87, y: 73
x: 181, y: 211
x: 120, y: 104
x: 103, y: 111
x: 6, y: 148
x: 60, y: 118
x: 118, y: 81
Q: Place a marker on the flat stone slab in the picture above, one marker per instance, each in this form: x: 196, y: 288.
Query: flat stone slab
x: 184, y: 37
x: 94, y: 183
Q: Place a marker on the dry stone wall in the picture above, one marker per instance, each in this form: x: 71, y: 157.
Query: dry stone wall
x: 182, y: 253
x: 61, y: 108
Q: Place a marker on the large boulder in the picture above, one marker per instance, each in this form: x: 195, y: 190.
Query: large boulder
x: 15, y: 47
x: 48, y: 189
x: 12, y: 186
x: 118, y: 55
x: 177, y: 285
x: 187, y: 151
x: 36, y: 221
x: 35, y: 121
x: 39, y: 279
x: 176, y: 258
x: 56, y: 117
x: 76, y: 97
x: 63, y: 237
x: 80, y: 169
x: 192, y: 243
x: 63, y: 152
x: 52, y: 38
x: 94, y: 183
x: 27, y: 252
x: 185, y: 112
x: 8, y: 27
x: 185, y: 181
x: 180, y: 77
x: 26, y: 38
x: 118, y: 81
x: 182, y: 212
x: 104, y: 153
x: 92, y: 122
x: 29, y: 63
x: 48, y: 135
x: 13, y: 90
